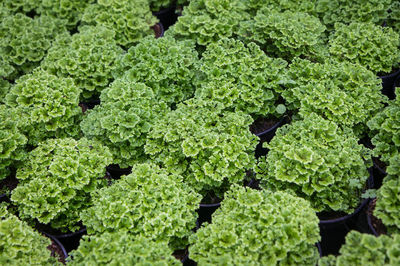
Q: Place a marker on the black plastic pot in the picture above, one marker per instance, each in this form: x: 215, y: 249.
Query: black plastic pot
x: 334, y: 231
x: 205, y: 212
x: 89, y: 104
x: 3, y: 197
x: 58, y: 243
x: 116, y: 172
x: 266, y: 136
x: 70, y: 241
x: 388, y: 84
x: 167, y: 16
x: 158, y: 30
x: 319, y: 249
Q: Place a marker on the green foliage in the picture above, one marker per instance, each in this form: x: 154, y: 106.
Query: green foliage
x: 131, y: 20
x: 366, y: 250
x: 47, y: 104
x: 258, y: 228
x: 318, y: 161
x: 394, y: 16
x: 286, y: 34
x: 345, y: 11
x: 24, y: 41
x: 21, y: 245
x: 166, y: 65
x: 372, y: 46
x: 57, y: 179
x: 210, y: 147
x: 252, y: 6
x: 69, y: 10
x: 4, y: 88
x: 12, y: 142
x: 121, y: 248
x: 385, y: 129
x: 88, y: 57
x: 207, y: 21
x: 345, y: 93
x: 149, y: 202
x: 15, y: 6
x: 388, y: 202
x: 240, y: 77
x: 122, y: 121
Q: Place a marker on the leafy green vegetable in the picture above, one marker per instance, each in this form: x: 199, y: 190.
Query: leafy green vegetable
x: 345, y: 93
x: 286, y: 34
x: 344, y: 11
x: 252, y: 6
x: 207, y: 21
x: 258, y: 228
x: 57, y: 179
x: 372, y: 46
x: 385, y: 132
x: 127, y: 112
x: 366, y: 250
x: 121, y: 248
x: 388, y: 202
x: 24, y: 41
x: 166, y: 65
x: 149, y: 202
x: 88, y: 57
x: 21, y: 245
x: 131, y: 20
x: 47, y: 104
x: 394, y: 16
x: 12, y: 141
x: 210, y: 147
x: 241, y: 77
x: 318, y: 161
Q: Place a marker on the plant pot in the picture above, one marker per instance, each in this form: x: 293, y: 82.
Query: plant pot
x: 57, y: 247
x: 205, y: 212
x: 116, y: 172
x: 265, y: 134
x: 319, y: 249
x: 89, y: 104
x: 158, y: 30
x: 375, y: 225
x: 69, y: 240
x: 388, y: 82
x: 333, y: 231
x: 167, y: 16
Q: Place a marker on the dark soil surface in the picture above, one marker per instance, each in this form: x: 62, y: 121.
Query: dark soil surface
x: 158, y: 31
x: 56, y: 251
x: 375, y: 222
x: 181, y: 254
x: 262, y: 124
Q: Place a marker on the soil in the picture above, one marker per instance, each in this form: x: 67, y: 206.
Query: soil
x: 262, y: 124
x: 56, y: 251
x: 8, y: 184
x: 375, y: 222
x: 158, y: 31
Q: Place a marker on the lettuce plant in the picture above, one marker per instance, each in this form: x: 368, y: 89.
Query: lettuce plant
x: 57, y: 179
x: 21, y: 245
x: 131, y: 20
x: 287, y: 34
x: 241, y: 78
x: 394, y: 16
x: 385, y: 132
x: 127, y: 112
x: 255, y: 227
x: 150, y: 202
x: 345, y: 93
x: 166, y: 65
x: 47, y: 104
x: 210, y: 147
x: 372, y: 46
x: 318, y: 161
x: 344, y: 11
x: 207, y: 21
x: 365, y: 249
x: 252, y: 6
x: 121, y: 248
x: 12, y: 141
x: 18, y: 6
x: 88, y: 57
x: 24, y: 41
x: 388, y: 202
